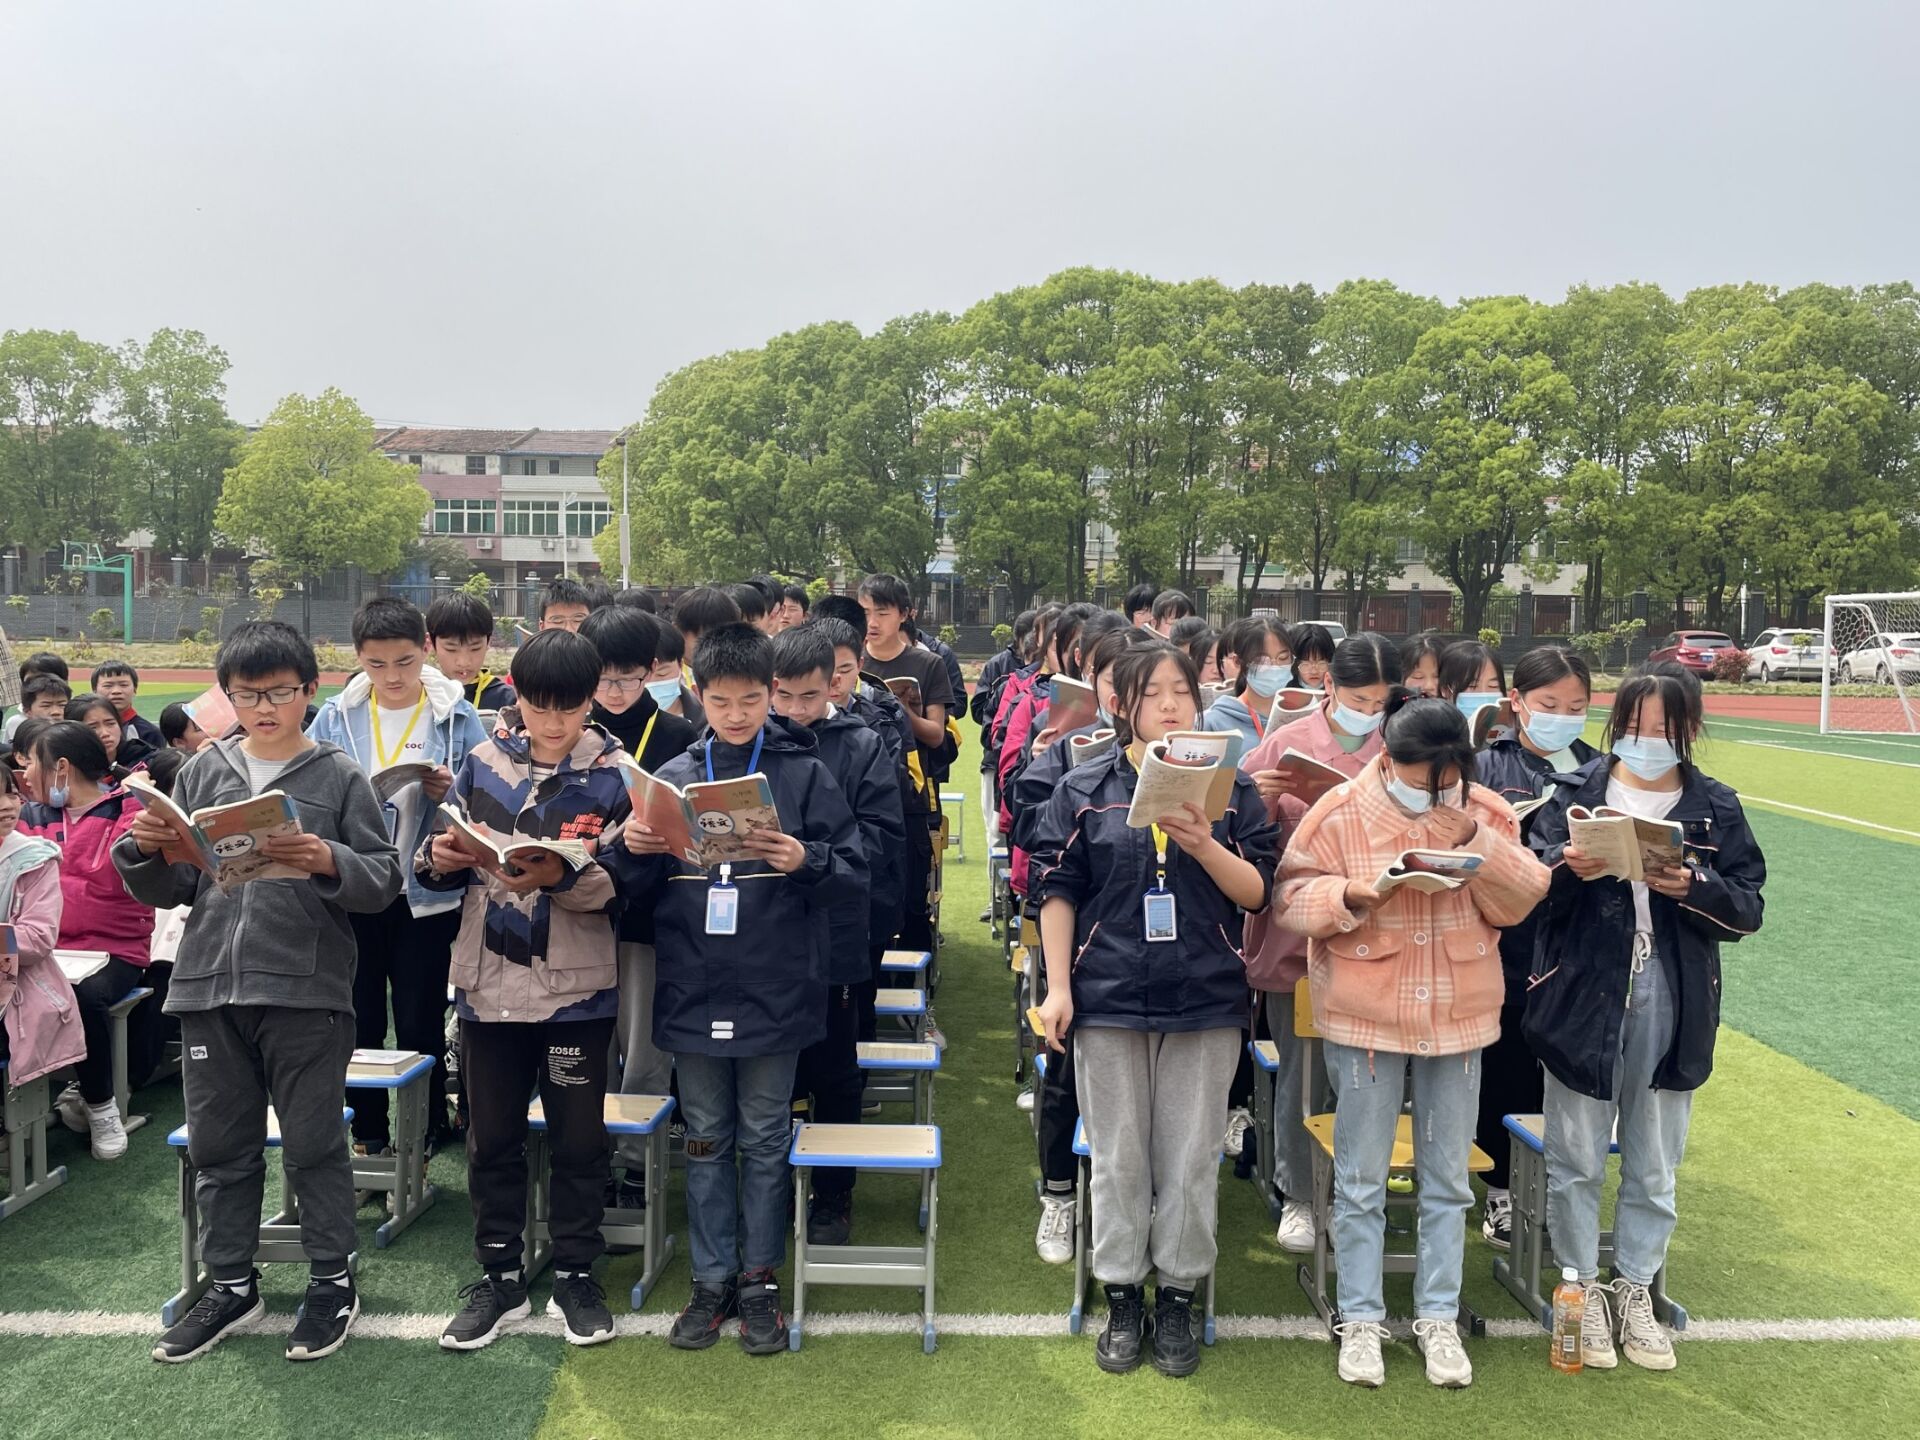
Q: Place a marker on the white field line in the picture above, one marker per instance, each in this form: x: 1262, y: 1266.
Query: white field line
x: 1828, y: 815
x: 1723, y: 723
x: 80, y: 1324
x: 1724, y: 739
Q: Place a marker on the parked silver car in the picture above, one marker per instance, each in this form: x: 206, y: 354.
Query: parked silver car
x: 1879, y: 659
x: 1784, y: 653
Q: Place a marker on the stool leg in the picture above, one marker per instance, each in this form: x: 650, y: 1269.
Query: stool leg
x: 192, y: 1285
x: 1077, y: 1313
x: 798, y: 1319
x: 932, y: 1227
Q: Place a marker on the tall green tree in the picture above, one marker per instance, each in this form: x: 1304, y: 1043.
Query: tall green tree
x: 180, y: 441
x: 63, y: 470
x: 314, y: 492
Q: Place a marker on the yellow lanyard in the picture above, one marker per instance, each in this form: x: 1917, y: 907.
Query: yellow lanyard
x: 646, y: 735
x: 379, y: 749
x: 480, y: 683
x: 1160, y: 857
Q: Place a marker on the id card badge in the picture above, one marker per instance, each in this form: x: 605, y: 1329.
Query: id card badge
x: 1162, y: 924
x: 723, y: 908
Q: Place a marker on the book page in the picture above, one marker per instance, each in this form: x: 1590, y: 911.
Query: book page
x: 1165, y: 784
x: 906, y: 690
x: 1605, y: 837
x: 1291, y: 703
x: 163, y: 805
x: 1082, y: 748
x: 661, y: 808
x: 213, y: 712
x: 1073, y: 706
x: 391, y: 781
x: 722, y: 813
x: 234, y: 834
x: 1311, y: 778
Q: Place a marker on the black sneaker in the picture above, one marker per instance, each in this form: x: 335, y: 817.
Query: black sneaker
x: 581, y: 1305
x: 491, y: 1300
x: 1175, y: 1351
x: 763, y: 1329
x: 830, y: 1219
x: 211, y: 1319
x: 712, y: 1305
x: 1496, y: 1225
x: 325, y: 1319
x: 1118, y: 1349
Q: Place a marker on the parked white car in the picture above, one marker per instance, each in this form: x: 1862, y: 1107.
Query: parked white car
x: 1881, y: 658
x: 1786, y: 654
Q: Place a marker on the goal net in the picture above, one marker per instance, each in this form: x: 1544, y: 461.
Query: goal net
x: 1870, y: 682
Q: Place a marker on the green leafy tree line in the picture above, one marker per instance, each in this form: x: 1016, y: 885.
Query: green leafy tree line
x: 1739, y: 435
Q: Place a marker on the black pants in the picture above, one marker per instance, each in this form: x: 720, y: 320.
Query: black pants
x: 916, y: 923
x: 829, y: 1072
x: 1058, y: 1105
x: 500, y: 1067
x: 409, y: 956
x: 106, y: 986
x: 866, y: 996
x: 1511, y: 1083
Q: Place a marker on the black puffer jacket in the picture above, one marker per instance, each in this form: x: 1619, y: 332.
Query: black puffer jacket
x: 1087, y: 854
x: 1584, y: 941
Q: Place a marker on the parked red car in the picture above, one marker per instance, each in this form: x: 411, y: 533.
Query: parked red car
x: 1694, y: 649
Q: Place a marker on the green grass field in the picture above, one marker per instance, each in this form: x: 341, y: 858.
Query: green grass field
x: 1794, y: 1208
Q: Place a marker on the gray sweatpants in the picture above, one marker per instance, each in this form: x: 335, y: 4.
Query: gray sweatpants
x: 644, y: 1068
x: 237, y: 1060
x: 1155, y: 1107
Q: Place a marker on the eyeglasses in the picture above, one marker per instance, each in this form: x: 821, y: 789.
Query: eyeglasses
x: 249, y: 699
x: 633, y: 685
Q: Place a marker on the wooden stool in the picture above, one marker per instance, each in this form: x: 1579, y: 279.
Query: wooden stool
x: 401, y: 1176
x: 646, y: 1228
x: 28, y: 1107
x: 907, y: 1009
x: 900, y: 1072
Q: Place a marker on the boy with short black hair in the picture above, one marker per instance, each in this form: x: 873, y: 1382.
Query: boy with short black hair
x: 667, y: 680
x: 459, y: 632
x: 702, y: 609
x: 178, y: 729
x: 399, y: 710
x: 263, y: 987
x: 535, y: 988
x: 739, y: 995
x: 45, y: 695
x: 793, y: 600
x: 752, y: 603
x: 1169, y: 608
x: 117, y: 682
x: 565, y: 604
x: 1138, y: 606
x: 626, y: 640
x: 632, y: 597
x: 803, y: 668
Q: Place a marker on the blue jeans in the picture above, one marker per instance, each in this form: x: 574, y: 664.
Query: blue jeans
x: 730, y: 1105
x: 1367, y: 1090
x: 1653, y: 1137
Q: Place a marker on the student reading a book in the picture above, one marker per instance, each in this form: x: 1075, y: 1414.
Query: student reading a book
x: 37, y: 1003
x: 1137, y: 926
x: 1625, y: 1001
x: 565, y: 604
x: 741, y: 948
x: 117, y: 682
x: 1405, y: 982
x: 829, y: 1070
x: 1469, y: 667
x: 125, y: 753
x: 178, y: 730
x: 626, y: 640
x: 1028, y: 719
x: 535, y: 988
x: 399, y: 710
x: 83, y: 810
x: 1551, y: 690
x: 1263, y: 667
x: 1313, y: 649
x: 1420, y: 662
x: 459, y: 632
x: 263, y: 987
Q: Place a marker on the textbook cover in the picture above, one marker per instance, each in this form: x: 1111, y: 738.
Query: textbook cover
x: 225, y: 840
x: 482, y: 840
x: 707, y: 823
x: 1188, y: 767
x: 1630, y: 844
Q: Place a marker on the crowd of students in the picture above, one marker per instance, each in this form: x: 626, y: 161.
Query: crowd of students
x: 1539, y: 985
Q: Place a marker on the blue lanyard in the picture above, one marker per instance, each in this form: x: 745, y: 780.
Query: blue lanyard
x: 753, y: 760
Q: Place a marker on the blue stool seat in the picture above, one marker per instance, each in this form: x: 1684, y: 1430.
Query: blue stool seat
x: 178, y: 1136
x: 624, y: 1114
x: 906, y: 962
x: 900, y: 1002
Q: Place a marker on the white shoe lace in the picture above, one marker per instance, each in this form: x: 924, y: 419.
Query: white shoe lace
x: 1238, y: 1123
x: 1596, y: 1323
x: 1439, y: 1341
x: 106, y: 1125
x: 1636, y: 1317
x: 1365, y: 1336
x: 1056, y: 1218
x: 1499, y: 1208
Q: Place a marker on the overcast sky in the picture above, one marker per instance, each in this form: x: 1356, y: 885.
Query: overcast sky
x: 509, y: 214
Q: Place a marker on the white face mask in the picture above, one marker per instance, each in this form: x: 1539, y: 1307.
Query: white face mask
x: 1418, y: 801
x: 1353, y: 722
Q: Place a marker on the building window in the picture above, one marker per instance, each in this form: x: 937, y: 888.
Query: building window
x: 1408, y: 552
x: 414, y: 460
x: 587, y: 518
x: 530, y: 517
x: 529, y: 467
x: 553, y: 467
x: 954, y: 466
x: 476, y: 464
x: 463, y: 517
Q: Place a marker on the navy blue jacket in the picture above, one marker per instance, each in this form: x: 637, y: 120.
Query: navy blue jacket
x: 880, y: 710
x: 1088, y: 855
x: 858, y: 758
x: 1031, y: 783
x: 757, y: 991
x: 1584, y: 945
x: 1515, y: 773
x: 1001, y: 662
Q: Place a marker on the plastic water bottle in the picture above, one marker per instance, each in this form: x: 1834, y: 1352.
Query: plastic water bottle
x: 1569, y: 1308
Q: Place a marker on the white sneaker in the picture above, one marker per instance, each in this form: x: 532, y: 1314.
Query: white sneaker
x: 1024, y: 1101
x: 1054, y: 1239
x: 1596, y: 1330
x: 1296, y: 1227
x: 1239, y: 1121
x: 109, y: 1135
x: 72, y: 1110
x: 1643, y: 1339
x: 1360, y: 1359
x: 1447, y: 1363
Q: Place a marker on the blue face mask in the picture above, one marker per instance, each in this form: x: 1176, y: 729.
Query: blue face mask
x: 1471, y: 702
x: 1553, y: 733
x: 57, y: 795
x: 1104, y: 715
x: 1353, y: 722
x: 1647, y: 758
x: 1267, y: 681
x: 1418, y: 801
x: 664, y: 692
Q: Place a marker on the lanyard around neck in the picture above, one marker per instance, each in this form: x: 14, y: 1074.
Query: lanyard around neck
x: 379, y: 744
x: 1160, y: 858
x: 753, y: 760
x: 646, y: 734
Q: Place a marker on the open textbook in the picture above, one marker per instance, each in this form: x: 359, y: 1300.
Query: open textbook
x: 391, y: 781
x: 1073, y: 705
x: 225, y: 840
x: 1428, y: 870
x: 707, y: 823
x: 482, y: 840
x: 1629, y: 844
x: 1188, y: 767
x: 1486, y: 717
x: 1082, y: 748
x: 1291, y: 703
x: 1311, y: 778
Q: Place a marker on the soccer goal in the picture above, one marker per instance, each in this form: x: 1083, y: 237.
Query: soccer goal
x: 1871, y: 641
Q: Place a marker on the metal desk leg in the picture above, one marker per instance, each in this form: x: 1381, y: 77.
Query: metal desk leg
x: 656, y: 1245
x: 931, y: 1224
x: 1082, y: 1242
x: 796, y: 1322
x: 192, y: 1283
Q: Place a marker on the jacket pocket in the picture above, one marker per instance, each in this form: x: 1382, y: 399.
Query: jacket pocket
x: 1363, y: 978
x: 297, y: 921
x: 1479, y: 984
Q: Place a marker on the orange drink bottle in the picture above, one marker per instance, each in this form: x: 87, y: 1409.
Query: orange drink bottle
x: 1569, y: 1307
